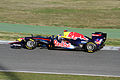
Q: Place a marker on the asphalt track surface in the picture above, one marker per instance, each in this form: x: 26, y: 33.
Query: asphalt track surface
x: 62, y: 61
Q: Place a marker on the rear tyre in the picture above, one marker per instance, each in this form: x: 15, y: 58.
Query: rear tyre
x: 91, y: 47
x: 30, y: 44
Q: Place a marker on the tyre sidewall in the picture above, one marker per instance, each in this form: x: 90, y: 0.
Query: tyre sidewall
x: 91, y: 47
x: 30, y: 44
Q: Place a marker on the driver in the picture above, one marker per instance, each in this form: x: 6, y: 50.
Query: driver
x: 59, y: 37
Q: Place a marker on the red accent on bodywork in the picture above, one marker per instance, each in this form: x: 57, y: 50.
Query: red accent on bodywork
x: 96, y: 35
x: 22, y: 38
x: 42, y: 39
x: 14, y: 42
x: 75, y: 35
x: 65, y: 30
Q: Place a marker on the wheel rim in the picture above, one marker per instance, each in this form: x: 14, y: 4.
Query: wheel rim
x: 90, y: 47
x: 30, y: 43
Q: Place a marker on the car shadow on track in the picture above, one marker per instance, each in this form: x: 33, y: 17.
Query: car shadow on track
x: 62, y: 49
x: 5, y: 71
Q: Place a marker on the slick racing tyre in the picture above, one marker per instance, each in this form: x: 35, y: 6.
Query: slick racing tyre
x: 30, y: 44
x: 91, y: 47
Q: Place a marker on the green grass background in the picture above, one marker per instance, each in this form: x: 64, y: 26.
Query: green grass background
x: 53, y: 16
x: 62, y: 13
x: 35, y: 76
x: 47, y: 30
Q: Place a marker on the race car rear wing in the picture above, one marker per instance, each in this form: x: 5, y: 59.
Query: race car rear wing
x: 99, y: 37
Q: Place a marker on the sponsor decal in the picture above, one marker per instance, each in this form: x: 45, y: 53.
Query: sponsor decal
x: 62, y: 44
x: 75, y: 35
x: 98, y: 41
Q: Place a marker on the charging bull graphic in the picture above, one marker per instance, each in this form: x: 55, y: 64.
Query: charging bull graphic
x: 74, y: 35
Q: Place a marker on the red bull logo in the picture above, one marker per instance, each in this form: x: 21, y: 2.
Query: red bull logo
x: 62, y: 44
x: 98, y: 41
x: 75, y: 35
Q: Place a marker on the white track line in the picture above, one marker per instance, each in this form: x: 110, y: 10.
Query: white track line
x: 111, y: 48
x: 5, y: 42
x: 60, y: 73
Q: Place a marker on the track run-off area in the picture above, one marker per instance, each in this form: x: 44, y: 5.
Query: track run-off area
x: 100, y: 63
x: 52, y: 30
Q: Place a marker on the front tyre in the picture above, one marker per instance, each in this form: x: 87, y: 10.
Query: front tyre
x: 91, y: 47
x: 30, y: 44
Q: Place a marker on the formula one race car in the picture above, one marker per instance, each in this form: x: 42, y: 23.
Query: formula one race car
x: 70, y: 40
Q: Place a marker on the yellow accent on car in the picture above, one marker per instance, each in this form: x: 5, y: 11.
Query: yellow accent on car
x: 28, y: 47
x: 65, y: 35
x: 90, y: 51
x: 18, y: 39
x: 49, y: 45
x: 31, y: 39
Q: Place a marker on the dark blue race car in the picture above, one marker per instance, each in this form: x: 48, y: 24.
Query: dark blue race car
x: 70, y: 40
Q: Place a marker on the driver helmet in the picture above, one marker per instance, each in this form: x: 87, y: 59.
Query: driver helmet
x: 65, y: 30
x: 59, y: 36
